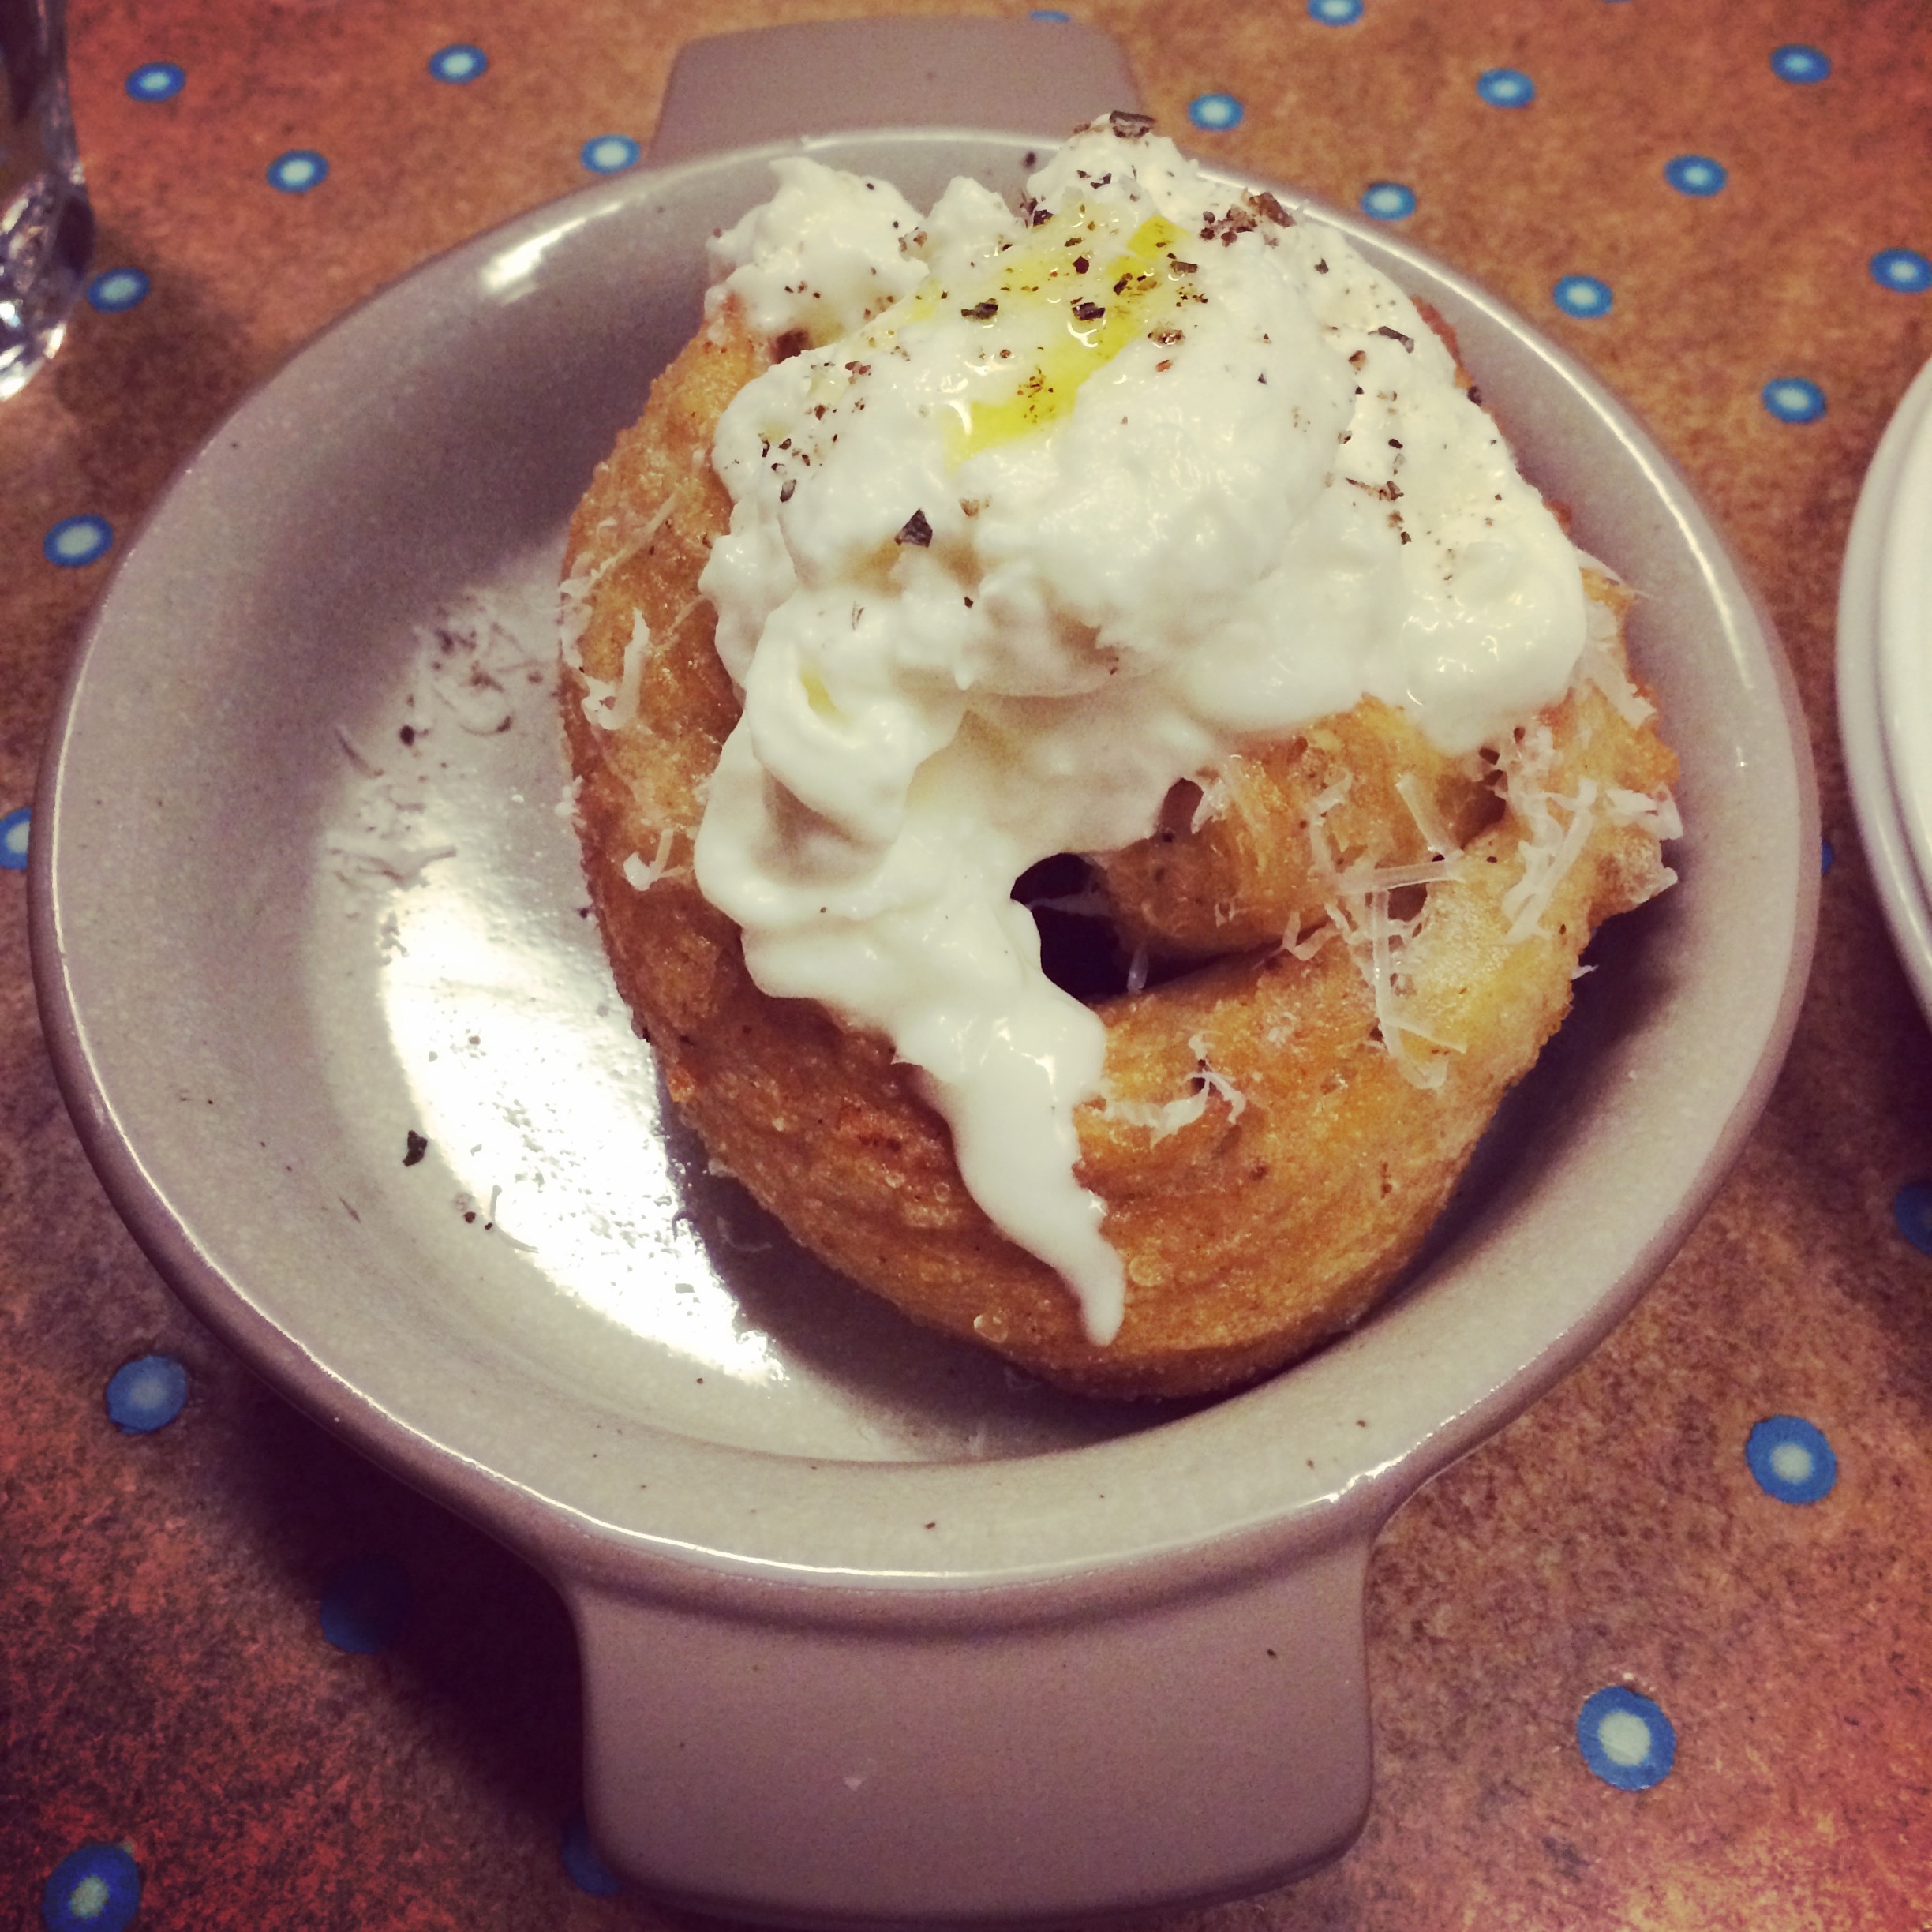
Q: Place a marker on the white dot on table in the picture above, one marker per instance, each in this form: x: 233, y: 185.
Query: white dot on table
x: 87, y: 1899
x: 1624, y: 1737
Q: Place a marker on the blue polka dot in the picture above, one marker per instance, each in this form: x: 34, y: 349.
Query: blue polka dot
x: 147, y: 1393
x: 1827, y: 856
x: 1583, y: 295
x: 1792, y: 399
x: 77, y: 540
x: 97, y: 1888
x: 1625, y: 1739
x: 458, y: 63
x: 364, y: 1604
x: 115, y: 289
x: 587, y: 1871
x: 610, y: 154
x: 1506, y: 86
x: 1388, y: 200
x: 1695, y: 174
x: 1049, y: 14
x: 1903, y: 269
x: 298, y: 171
x: 156, y: 80
x: 1800, y: 64
x: 1336, y: 13
x: 13, y: 836
x: 1216, y: 112
x: 1911, y: 1209
x: 1791, y: 1459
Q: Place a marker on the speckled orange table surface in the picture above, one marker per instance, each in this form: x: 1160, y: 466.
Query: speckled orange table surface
x: 1724, y: 207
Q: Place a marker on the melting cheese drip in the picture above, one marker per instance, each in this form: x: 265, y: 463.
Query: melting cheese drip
x: 1062, y: 506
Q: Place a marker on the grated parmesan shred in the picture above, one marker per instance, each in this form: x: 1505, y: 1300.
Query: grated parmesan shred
x: 642, y: 877
x: 467, y: 663
x: 573, y: 592
x: 1656, y: 812
x: 1361, y: 878
x: 1299, y: 945
x: 1435, y: 835
x: 1551, y: 845
x: 1600, y: 665
x: 574, y: 617
x: 1089, y: 902
x: 1357, y: 906
x: 1556, y: 828
x: 1217, y: 793
x: 1603, y: 671
x: 574, y: 604
x: 1162, y: 1118
x: 382, y: 846
x: 358, y: 860
x: 611, y: 706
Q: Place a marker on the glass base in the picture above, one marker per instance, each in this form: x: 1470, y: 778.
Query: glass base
x: 46, y: 239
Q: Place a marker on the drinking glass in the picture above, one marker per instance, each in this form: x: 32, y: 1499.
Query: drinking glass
x: 46, y: 227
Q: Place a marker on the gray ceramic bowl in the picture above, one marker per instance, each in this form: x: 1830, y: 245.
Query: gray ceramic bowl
x: 873, y: 1632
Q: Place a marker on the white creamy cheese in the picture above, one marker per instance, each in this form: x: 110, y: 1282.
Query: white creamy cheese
x: 1060, y: 506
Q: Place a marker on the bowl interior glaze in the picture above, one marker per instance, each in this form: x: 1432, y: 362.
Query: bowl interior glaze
x: 617, y: 1350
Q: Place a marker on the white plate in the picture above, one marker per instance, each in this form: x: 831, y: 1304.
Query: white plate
x: 1885, y: 677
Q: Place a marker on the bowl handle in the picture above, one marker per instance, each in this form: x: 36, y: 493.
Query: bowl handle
x: 886, y: 1765
x: 1021, y: 76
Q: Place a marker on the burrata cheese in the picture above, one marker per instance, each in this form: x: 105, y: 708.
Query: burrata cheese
x: 1052, y: 507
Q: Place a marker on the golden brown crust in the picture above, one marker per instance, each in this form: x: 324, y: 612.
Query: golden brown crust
x: 1237, y: 867
x: 1304, y: 1164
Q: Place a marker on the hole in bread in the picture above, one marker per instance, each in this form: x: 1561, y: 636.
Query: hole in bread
x: 1080, y: 952
x: 1179, y: 810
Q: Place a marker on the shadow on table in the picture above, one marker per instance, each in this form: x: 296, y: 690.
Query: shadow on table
x: 480, y: 1646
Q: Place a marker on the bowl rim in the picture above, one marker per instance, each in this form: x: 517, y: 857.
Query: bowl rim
x: 1884, y: 557
x: 1106, y: 1498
